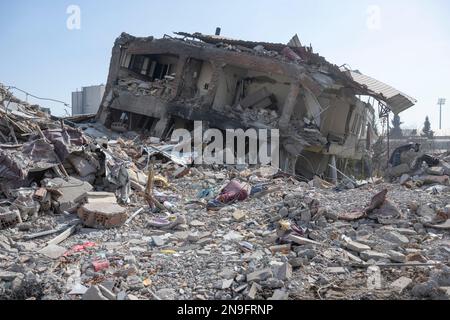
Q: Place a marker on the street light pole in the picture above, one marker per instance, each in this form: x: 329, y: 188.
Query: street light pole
x: 441, y: 102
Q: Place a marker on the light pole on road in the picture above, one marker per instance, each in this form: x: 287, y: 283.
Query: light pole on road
x: 441, y: 102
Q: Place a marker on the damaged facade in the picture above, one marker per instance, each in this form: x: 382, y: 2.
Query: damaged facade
x: 89, y: 213
x: 158, y: 85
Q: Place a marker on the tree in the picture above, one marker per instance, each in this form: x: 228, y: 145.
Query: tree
x: 426, y: 131
x: 396, y: 131
x: 414, y: 133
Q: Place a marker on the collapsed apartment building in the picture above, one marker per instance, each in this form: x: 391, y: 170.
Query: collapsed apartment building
x: 158, y: 85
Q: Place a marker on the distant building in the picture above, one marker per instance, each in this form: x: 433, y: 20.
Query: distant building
x: 87, y: 101
x: 46, y: 110
x: 321, y: 111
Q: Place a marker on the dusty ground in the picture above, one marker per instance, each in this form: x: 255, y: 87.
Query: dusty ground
x: 214, y: 255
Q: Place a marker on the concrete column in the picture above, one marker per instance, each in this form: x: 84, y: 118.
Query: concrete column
x: 160, y: 127
x: 214, y: 84
x: 288, y: 161
x: 179, y: 75
x: 289, y: 105
x: 114, y: 69
x: 333, y: 171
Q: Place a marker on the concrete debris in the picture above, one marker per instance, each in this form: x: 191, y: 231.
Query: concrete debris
x: 436, y: 171
x: 9, y: 219
x: 401, y: 284
x: 357, y: 247
x: 302, y: 241
x: 336, y: 270
x: 284, y: 272
x: 279, y: 295
x: 404, y: 179
x: 71, y: 190
x: 239, y: 216
x: 94, y: 293
x: 396, y: 237
x: 396, y: 256
x: 102, y: 209
x: 78, y: 289
x: 373, y: 255
x: 53, y: 251
x: 399, y: 170
x: 259, y: 275
x: 253, y: 291
x: 102, y: 215
x: 93, y: 197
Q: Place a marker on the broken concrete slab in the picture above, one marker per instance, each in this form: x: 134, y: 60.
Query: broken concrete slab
x: 435, y: 171
x: 102, y: 215
x: 166, y: 294
x: 357, y: 247
x: 196, y: 223
x: 158, y: 241
x: 395, y: 237
x: 446, y: 166
x: 388, y: 210
x: 404, y: 179
x: 399, y: 170
x: 351, y: 216
x: 78, y: 289
x: 226, y: 284
x: 373, y: 255
x: 93, y: 294
x: 106, y: 292
x: 53, y: 251
x: 82, y: 166
x: 9, y: 275
x: 260, y: 275
x: 401, y: 284
x: 435, y: 179
x: 92, y: 197
x: 302, y: 241
x: 283, y: 272
x: 443, y: 226
x: 238, y: 216
x: 25, y: 246
x: 233, y: 236
x: 403, y: 231
x: 279, y: 295
x: 427, y: 212
x: 283, y: 213
x: 71, y: 190
x: 397, y: 256
x: 253, y: 291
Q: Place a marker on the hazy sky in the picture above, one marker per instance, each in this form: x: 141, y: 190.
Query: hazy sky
x: 405, y: 43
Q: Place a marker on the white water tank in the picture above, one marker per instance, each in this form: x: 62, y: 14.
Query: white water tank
x: 88, y: 100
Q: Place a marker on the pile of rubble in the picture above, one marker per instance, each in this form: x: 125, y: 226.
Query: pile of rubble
x: 160, y: 88
x: 413, y: 169
x: 110, y: 217
x: 294, y: 52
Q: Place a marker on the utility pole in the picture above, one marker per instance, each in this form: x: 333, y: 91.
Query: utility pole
x: 441, y: 102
